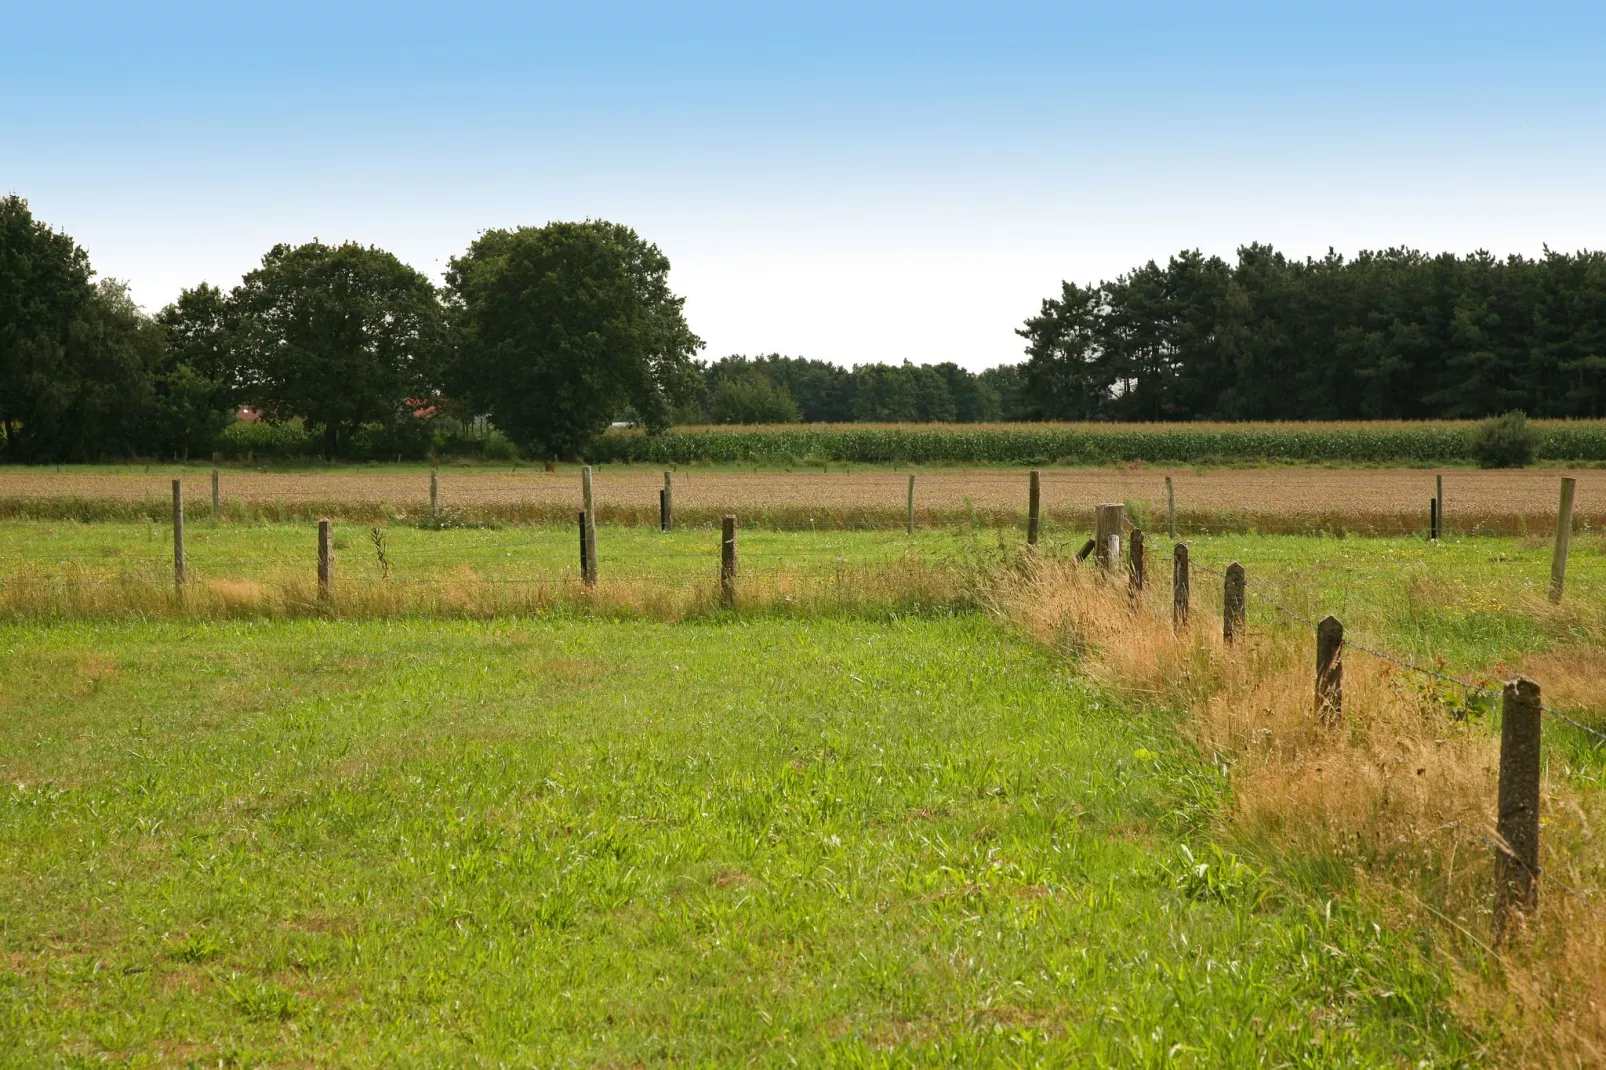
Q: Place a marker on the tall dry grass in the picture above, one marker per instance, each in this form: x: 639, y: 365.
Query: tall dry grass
x: 1394, y: 805
x: 907, y: 585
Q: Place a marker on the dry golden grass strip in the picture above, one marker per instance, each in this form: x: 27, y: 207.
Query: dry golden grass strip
x: 1281, y: 499
x: 1400, y: 795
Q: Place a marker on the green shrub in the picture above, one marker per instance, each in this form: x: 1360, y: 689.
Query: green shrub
x: 753, y: 401
x: 1505, y: 442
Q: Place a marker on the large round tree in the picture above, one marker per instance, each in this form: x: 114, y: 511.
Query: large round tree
x: 562, y: 327
x: 337, y: 335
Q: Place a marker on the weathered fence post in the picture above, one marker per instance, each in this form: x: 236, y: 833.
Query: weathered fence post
x: 1232, y: 603
x: 587, y: 575
x: 1438, y: 494
x: 1516, y: 861
x: 727, y: 561
x: 1433, y: 519
x: 1106, y: 524
x: 1329, y: 671
x: 1087, y: 548
x: 1135, y: 563
x: 663, y: 509
x: 911, y: 520
x: 1179, y: 586
x: 434, y: 493
x: 217, y: 499
x: 178, y: 534
x: 1033, y: 500
x: 1564, y: 536
x: 589, y: 524
x: 669, y: 503
x: 326, y: 561
x: 1170, y: 510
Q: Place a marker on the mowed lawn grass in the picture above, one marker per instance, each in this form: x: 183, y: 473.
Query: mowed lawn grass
x: 580, y: 842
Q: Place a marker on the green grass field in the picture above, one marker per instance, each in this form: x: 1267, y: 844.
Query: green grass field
x: 862, y: 833
x: 616, y: 843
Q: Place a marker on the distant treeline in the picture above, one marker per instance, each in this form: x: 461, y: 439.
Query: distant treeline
x: 541, y: 337
x: 774, y: 389
x: 1387, y: 335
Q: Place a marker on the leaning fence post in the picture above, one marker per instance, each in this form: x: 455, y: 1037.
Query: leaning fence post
x: 1135, y: 566
x: 178, y: 533
x: 217, y: 501
x: 1329, y: 670
x: 1179, y: 586
x: 1107, y: 526
x: 911, y: 519
x: 1564, y: 536
x: 434, y: 493
x: 1232, y: 603
x: 326, y: 561
x: 1516, y: 861
x: 669, y: 503
x: 1170, y: 510
x: 589, y: 524
x: 1033, y: 499
x: 727, y: 561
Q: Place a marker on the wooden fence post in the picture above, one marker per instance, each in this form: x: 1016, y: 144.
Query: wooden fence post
x: 1433, y: 519
x: 1438, y: 494
x: 911, y: 522
x: 1179, y: 586
x: 178, y: 534
x: 1170, y: 510
x: 217, y: 499
x: 1033, y: 500
x: 587, y: 576
x: 1329, y: 671
x: 727, y: 561
x: 663, y: 508
x: 1107, y: 525
x: 590, y: 524
x: 1516, y: 863
x: 1232, y: 603
x: 1564, y: 536
x: 326, y: 561
x: 1135, y: 563
x: 669, y: 503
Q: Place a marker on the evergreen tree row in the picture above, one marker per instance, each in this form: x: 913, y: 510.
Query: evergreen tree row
x: 1388, y: 335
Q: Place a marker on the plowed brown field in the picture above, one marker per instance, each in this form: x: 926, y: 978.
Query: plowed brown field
x: 1267, y: 499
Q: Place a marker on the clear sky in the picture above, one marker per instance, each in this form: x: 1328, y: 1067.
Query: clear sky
x: 846, y: 181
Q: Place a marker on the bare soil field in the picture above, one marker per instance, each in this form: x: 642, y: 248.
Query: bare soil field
x: 1280, y: 499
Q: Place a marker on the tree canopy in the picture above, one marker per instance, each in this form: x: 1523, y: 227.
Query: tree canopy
x: 559, y: 328
x: 1388, y: 335
x: 337, y: 335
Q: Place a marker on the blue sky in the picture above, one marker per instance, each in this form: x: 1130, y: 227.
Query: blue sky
x: 852, y: 182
